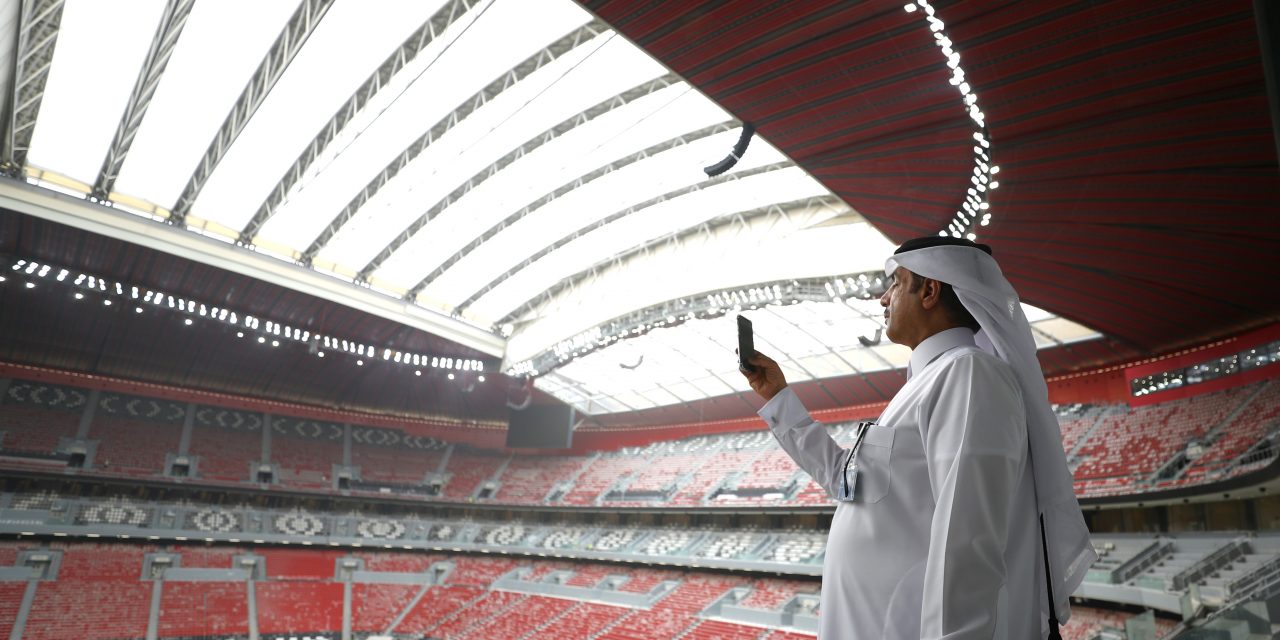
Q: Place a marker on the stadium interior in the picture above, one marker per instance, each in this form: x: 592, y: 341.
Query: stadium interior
x: 415, y: 319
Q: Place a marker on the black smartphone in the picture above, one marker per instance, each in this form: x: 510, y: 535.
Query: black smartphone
x: 746, y: 345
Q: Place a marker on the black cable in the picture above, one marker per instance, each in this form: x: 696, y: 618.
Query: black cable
x: 740, y: 148
x: 1055, y: 631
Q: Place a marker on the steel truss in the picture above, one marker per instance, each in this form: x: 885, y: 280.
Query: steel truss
x: 548, y: 198
x: 707, y: 304
x: 620, y: 100
x: 287, y: 45
x: 172, y: 21
x: 38, y: 26
x: 777, y: 209
x: 613, y: 217
x: 409, y: 49
x: 508, y: 79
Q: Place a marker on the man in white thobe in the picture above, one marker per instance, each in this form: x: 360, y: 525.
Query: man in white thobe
x: 936, y: 532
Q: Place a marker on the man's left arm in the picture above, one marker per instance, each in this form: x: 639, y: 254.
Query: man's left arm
x: 976, y: 446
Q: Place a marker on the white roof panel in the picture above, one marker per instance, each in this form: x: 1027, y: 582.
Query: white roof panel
x: 452, y: 69
x: 474, y: 143
x: 96, y: 62
x: 204, y: 77
x: 339, y: 56
x: 684, y: 212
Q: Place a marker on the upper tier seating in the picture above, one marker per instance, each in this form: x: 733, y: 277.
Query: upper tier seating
x: 1075, y: 420
x: 394, y: 465
x: 468, y: 471
x: 1260, y: 418
x: 225, y: 442
x: 1116, y: 450
x: 35, y: 429
x: 528, y: 480
x: 306, y: 451
x: 1133, y: 445
x: 601, y: 475
x: 118, y: 439
x: 772, y: 471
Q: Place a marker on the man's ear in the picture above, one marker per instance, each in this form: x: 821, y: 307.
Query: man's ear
x: 930, y: 293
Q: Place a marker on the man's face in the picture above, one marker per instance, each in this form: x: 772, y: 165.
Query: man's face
x: 902, y: 308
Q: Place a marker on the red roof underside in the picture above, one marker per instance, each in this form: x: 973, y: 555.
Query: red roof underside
x: 1139, y: 182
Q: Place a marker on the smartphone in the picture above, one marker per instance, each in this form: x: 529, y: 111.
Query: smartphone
x: 746, y: 345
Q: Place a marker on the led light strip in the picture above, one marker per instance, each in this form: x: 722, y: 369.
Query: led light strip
x: 266, y: 329
x: 975, y: 211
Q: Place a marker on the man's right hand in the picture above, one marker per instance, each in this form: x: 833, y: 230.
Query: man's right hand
x: 767, y: 379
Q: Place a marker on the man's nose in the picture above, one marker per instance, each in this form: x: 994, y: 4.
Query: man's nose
x: 884, y: 299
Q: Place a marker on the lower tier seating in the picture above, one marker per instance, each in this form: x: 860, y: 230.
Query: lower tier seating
x: 204, y: 608
x: 99, y: 594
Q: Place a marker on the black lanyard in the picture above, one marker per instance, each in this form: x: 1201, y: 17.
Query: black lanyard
x: 844, y: 477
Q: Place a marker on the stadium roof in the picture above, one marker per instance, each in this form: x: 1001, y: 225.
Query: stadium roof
x: 488, y: 179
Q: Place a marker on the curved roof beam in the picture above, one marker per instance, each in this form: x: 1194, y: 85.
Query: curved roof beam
x: 172, y: 21
x: 779, y: 209
x: 38, y: 26
x: 300, y: 26
x: 517, y: 73
x: 680, y: 140
x: 620, y: 100
x: 706, y: 303
x: 618, y: 215
x: 408, y: 50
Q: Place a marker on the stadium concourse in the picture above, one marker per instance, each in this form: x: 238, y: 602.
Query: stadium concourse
x: 321, y: 321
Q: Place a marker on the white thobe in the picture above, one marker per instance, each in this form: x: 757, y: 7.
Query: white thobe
x: 942, y: 539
